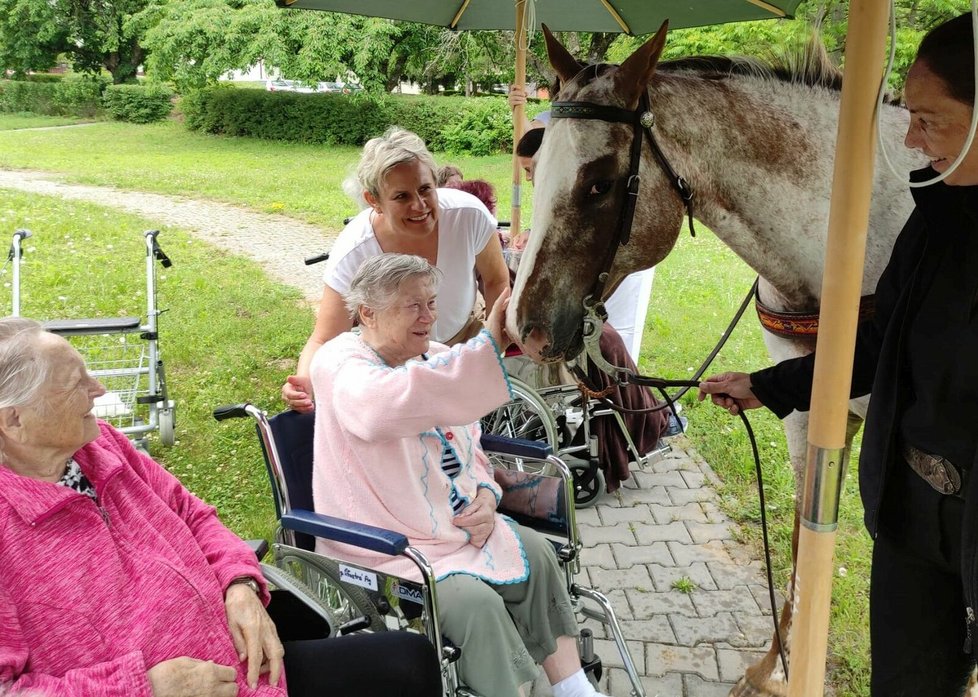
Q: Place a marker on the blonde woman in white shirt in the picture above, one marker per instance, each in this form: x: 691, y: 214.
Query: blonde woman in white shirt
x: 408, y: 214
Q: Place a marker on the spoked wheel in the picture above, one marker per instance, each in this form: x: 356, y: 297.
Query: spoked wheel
x: 527, y: 416
x: 588, y: 484
x: 342, y: 601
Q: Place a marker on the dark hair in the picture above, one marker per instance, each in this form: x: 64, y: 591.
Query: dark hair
x: 530, y: 142
x: 482, y: 190
x: 948, y: 50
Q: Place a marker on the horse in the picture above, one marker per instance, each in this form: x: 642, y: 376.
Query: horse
x: 755, y: 147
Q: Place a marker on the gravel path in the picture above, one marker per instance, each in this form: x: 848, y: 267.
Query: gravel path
x: 276, y: 242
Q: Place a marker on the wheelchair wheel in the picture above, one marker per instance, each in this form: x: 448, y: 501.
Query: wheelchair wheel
x: 166, y: 423
x: 588, y: 484
x: 343, y: 602
x: 528, y: 416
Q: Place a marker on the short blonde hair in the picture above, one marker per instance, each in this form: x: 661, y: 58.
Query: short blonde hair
x: 377, y: 282
x: 395, y: 147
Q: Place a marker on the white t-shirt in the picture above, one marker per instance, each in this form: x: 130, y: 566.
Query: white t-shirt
x: 465, y: 226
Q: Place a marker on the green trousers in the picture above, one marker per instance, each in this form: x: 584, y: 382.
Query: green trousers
x: 504, y: 630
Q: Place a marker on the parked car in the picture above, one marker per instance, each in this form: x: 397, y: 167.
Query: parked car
x: 288, y: 86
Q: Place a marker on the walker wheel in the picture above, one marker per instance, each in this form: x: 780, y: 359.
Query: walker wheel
x: 166, y: 422
x: 588, y: 484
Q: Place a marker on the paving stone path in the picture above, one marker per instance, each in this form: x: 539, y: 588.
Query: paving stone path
x: 692, y: 603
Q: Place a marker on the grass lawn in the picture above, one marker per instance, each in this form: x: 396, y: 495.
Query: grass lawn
x: 220, y: 348
x: 12, y: 122
x: 302, y: 181
x: 228, y: 334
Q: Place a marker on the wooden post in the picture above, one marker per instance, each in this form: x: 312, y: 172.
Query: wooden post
x: 841, y: 288
x: 519, y: 115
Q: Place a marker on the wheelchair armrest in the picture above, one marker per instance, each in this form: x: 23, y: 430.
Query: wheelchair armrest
x: 259, y: 547
x: 518, y: 447
x: 346, y: 531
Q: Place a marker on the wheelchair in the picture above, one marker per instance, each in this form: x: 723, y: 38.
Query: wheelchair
x: 122, y: 352
x: 548, y: 409
x: 354, y: 598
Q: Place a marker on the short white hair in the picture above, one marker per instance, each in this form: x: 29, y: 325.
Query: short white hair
x: 378, y: 281
x: 23, y: 371
x: 395, y: 147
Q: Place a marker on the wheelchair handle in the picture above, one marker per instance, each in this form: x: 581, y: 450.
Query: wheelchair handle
x: 309, y: 261
x: 158, y: 252
x: 233, y: 411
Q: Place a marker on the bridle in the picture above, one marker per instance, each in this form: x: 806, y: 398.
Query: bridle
x: 642, y: 121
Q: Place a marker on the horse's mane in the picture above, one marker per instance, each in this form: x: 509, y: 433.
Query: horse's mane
x: 807, y: 65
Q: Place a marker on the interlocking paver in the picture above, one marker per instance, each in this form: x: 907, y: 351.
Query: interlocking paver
x: 632, y: 577
x: 687, y: 554
x: 692, y: 631
x: 663, y: 658
x: 709, y: 603
x: 647, y: 534
x: 638, y: 513
x: 688, y: 512
x: 664, y: 524
x: 665, y: 576
x: 733, y: 662
x: 704, y: 532
x: 629, y: 555
x: 648, y: 604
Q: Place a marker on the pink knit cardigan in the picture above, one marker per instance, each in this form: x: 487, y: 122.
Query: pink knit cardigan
x: 378, y: 447
x: 92, y: 596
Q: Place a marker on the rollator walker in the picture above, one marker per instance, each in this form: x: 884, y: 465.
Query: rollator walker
x: 122, y: 352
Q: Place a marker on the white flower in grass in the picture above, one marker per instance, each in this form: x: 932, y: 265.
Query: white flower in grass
x: 843, y: 571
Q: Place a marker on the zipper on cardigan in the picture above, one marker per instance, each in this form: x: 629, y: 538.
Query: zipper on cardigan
x: 105, y: 516
x: 969, y: 623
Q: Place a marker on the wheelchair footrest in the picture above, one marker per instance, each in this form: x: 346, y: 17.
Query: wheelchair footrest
x: 96, y: 325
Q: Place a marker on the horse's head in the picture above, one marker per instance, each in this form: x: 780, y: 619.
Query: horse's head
x: 580, y: 187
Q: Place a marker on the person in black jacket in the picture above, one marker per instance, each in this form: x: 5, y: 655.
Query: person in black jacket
x: 919, y: 357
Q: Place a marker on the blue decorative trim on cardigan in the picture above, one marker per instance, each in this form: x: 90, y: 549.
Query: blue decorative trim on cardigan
x: 499, y: 359
x: 526, y: 562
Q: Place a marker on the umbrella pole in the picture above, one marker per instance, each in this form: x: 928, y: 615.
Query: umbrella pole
x: 841, y: 288
x: 518, y: 116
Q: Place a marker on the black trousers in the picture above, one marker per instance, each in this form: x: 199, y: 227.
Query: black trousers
x: 385, y: 664
x: 917, y: 610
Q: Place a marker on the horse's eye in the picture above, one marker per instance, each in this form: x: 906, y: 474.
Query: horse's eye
x: 600, y: 187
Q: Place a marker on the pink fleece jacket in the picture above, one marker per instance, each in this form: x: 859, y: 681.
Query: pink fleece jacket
x: 92, y: 596
x: 380, y: 432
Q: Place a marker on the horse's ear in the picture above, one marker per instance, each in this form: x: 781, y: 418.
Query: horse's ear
x: 563, y: 63
x: 636, y: 72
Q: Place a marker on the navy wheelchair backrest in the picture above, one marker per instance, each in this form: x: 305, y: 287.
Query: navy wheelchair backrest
x: 293, y: 434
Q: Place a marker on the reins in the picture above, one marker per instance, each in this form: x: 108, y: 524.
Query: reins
x: 642, y: 120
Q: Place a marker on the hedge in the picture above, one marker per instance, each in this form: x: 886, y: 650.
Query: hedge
x: 138, y: 103
x: 72, y: 97
x: 479, y: 126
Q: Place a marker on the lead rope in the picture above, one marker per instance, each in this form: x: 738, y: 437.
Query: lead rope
x: 620, y: 376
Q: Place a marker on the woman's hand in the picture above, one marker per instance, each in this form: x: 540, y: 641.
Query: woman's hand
x: 189, y: 677
x: 253, y: 633
x: 496, y: 321
x: 731, y: 391
x: 297, y: 393
x: 479, y: 517
x: 517, y: 95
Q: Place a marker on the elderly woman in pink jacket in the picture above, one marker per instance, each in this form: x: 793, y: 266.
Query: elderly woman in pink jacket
x: 397, y: 446
x: 117, y: 582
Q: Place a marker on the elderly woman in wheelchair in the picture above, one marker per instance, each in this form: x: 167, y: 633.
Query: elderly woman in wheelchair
x: 397, y: 446
x: 116, y: 581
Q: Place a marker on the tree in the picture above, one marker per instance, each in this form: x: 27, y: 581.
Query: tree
x: 93, y: 34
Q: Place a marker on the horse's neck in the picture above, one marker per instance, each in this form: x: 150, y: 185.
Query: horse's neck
x: 758, y: 155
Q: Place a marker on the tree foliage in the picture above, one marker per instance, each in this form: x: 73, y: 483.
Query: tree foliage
x: 93, y: 34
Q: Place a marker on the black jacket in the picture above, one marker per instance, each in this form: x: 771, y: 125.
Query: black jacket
x: 879, y: 364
